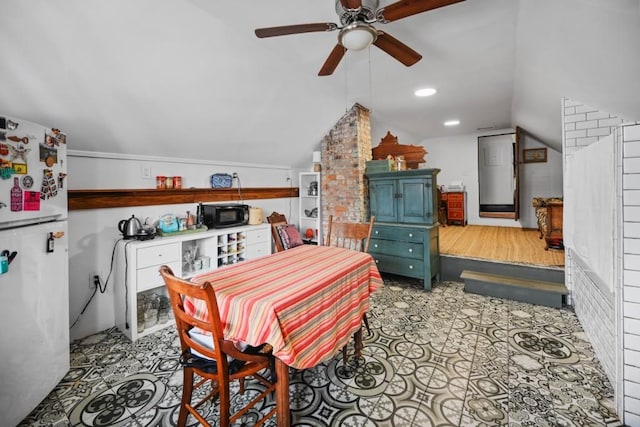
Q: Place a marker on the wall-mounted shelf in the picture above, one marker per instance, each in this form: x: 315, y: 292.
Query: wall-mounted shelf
x: 100, y: 199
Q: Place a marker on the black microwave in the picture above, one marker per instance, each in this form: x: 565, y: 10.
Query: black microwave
x: 221, y: 216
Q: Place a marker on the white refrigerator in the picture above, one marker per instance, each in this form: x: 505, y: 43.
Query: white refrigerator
x: 34, y: 269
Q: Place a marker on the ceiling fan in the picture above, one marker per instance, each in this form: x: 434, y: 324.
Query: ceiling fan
x: 357, y: 31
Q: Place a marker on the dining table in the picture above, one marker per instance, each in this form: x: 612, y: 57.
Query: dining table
x: 306, y: 302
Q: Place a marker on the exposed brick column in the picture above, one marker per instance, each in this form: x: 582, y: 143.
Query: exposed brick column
x: 345, y: 150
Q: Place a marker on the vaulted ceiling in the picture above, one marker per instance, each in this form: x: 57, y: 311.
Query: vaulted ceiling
x: 189, y: 78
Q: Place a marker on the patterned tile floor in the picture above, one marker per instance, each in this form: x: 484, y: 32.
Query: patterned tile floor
x: 439, y: 358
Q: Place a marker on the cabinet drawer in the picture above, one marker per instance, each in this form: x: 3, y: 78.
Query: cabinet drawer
x: 257, y: 236
x: 398, y: 233
x: 456, y: 215
x: 401, y: 266
x: 455, y: 205
x: 158, y: 255
x: 395, y: 248
x: 458, y: 197
x: 149, y: 278
x: 258, y: 250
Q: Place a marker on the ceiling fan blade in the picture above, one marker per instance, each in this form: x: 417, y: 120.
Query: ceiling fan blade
x: 295, y: 29
x: 403, y: 8
x: 333, y: 60
x: 397, y: 49
x: 351, y: 4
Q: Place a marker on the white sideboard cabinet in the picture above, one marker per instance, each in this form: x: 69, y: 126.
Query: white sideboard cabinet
x: 141, y: 301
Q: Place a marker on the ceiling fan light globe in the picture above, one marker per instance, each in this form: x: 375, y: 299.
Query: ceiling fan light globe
x: 357, y: 37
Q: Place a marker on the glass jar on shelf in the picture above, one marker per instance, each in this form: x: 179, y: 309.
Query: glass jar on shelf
x: 140, y: 304
x: 151, y: 310
x: 163, y: 309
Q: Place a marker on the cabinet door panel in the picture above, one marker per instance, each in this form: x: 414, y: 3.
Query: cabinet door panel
x: 383, y: 200
x: 416, y: 205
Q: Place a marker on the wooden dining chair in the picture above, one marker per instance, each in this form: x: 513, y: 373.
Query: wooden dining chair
x: 349, y: 235
x: 355, y: 236
x: 285, y: 236
x: 215, y: 360
x: 276, y: 219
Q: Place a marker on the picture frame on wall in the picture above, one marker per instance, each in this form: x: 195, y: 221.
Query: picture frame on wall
x: 534, y: 155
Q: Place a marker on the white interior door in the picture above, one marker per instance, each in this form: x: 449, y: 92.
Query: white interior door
x: 495, y: 170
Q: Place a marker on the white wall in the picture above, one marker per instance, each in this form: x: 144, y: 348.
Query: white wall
x: 457, y: 158
x: 93, y: 233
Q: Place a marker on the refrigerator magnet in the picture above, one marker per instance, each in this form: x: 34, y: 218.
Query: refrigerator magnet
x: 61, y: 177
x: 20, y: 168
x: 19, y: 152
x: 27, y: 182
x: 22, y: 139
x: 48, y: 155
x: 4, y: 150
x: 31, y: 201
x: 11, y: 125
x: 60, y: 137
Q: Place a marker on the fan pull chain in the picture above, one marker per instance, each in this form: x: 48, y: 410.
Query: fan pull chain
x: 346, y: 86
x: 370, y: 85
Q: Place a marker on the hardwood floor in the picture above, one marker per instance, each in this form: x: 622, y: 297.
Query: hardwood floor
x: 509, y: 244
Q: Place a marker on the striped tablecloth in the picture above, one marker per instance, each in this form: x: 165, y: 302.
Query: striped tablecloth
x: 306, y: 302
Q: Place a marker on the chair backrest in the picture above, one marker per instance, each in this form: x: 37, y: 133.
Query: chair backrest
x: 276, y: 219
x: 182, y: 292
x: 349, y: 235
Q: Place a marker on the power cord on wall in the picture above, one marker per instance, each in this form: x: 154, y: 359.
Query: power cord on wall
x: 236, y: 176
x: 98, y: 286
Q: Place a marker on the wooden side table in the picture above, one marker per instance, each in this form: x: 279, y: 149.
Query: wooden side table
x: 456, y: 207
x: 553, y: 237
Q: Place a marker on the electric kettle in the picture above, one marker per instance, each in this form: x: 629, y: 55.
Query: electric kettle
x: 130, y: 227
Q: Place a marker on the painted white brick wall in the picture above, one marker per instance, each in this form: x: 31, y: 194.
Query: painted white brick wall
x: 630, y: 135
x: 601, y: 314
x: 583, y: 125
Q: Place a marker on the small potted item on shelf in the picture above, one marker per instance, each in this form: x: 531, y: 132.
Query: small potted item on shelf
x: 313, y: 188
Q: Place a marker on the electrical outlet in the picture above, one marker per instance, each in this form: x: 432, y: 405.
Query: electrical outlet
x: 235, y: 175
x: 94, y: 280
x: 146, y: 171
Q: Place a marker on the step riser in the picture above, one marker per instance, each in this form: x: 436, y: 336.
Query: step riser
x: 451, y: 268
x: 514, y: 293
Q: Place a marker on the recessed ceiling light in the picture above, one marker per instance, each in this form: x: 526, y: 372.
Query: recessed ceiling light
x: 452, y: 123
x: 428, y: 91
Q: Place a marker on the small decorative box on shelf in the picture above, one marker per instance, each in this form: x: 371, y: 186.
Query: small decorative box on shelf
x: 375, y: 166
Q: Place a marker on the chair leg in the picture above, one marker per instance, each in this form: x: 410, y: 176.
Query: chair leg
x: 366, y: 323
x: 225, y: 401
x: 344, y: 355
x: 187, y: 390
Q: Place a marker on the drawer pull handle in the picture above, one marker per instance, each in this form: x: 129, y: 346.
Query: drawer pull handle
x: 376, y: 231
x: 410, y: 250
x: 411, y: 267
x: 377, y: 261
x: 375, y: 246
x: 410, y: 234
